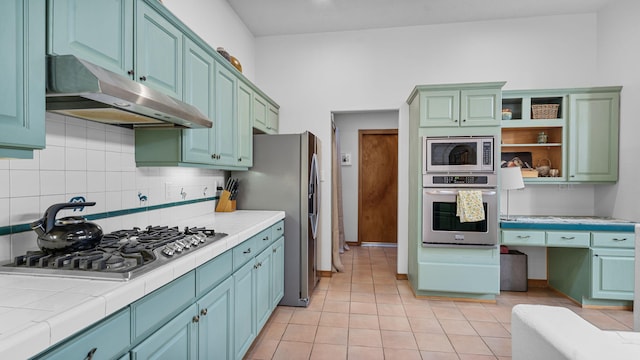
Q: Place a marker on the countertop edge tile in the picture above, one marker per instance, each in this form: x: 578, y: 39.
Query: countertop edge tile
x: 239, y: 225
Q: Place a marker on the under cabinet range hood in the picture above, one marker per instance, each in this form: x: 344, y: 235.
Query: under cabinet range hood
x: 78, y: 88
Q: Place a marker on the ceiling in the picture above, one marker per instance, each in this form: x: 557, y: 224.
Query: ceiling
x: 282, y: 17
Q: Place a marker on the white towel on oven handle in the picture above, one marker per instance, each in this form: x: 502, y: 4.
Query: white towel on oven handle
x: 469, y: 207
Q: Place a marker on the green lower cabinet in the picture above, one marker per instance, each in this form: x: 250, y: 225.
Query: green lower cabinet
x: 175, y: 340
x: 244, y: 311
x: 105, y: 340
x: 612, y: 272
x: 263, y: 284
x: 277, y: 265
x: 216, y: 325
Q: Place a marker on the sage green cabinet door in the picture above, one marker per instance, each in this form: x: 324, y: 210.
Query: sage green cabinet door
x: 199, y: 70
x: 612, y: 274
x: 22, y: 70
x: 177, y: 339
x: 480, y: 107
x: 244, y: 124
x: 244, y: 312
x: 226, y: 100
x: 96, y: 30
x: 273, y: 118
x: 440, y: 109
x: 215, y: 329
x: 158, y: 52
x: 259, y: 113
x: 277, y: 266
x: 263, y: 284
x: 593, y: 137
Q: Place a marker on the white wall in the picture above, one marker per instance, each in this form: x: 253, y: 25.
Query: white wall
x: 313, y: 75
x: 348, y: 125
x: 619, y: 64
x: 218, y: 24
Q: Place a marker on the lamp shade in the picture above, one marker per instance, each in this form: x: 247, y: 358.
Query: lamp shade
x: 511, y: 178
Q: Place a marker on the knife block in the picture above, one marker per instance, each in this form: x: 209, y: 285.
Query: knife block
x: 224, y: 204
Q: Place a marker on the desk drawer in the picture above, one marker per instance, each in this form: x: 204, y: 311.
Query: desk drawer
x: 612, y: 239
x: 568, y: 239
x: 530, y: 238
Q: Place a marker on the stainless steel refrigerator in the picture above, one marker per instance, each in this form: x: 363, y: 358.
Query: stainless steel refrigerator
x: 284, y: 176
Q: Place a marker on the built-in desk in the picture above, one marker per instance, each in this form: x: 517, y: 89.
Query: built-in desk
x: 589, y: 259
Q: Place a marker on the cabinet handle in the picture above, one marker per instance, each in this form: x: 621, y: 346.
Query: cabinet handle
x: 195, y: 319
x: 617, y: 239
x: 143, y: 78
x: 255, y: 266
x: 568, y: 237
x: 248, y: 251
x: 90, y: 354
x: 524, y: 236
x: 265, y: 238
x: 279, y: 229
x: 239, y: 159
x: 130, y: 72
x: 275, y: 250
x: 203, y: 312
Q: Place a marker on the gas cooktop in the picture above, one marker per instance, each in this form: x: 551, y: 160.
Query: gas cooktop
x: 120, y: 255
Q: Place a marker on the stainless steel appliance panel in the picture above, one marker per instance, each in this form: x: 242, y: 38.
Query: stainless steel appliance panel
x: 441, y: 226
x: 284, y: 177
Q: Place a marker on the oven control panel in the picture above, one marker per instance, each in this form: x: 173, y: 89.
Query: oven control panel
x: 460, y: 180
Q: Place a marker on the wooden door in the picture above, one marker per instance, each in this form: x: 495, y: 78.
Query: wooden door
x: 378, y: 186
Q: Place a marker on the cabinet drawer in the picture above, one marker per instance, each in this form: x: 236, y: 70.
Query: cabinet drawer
x: 244, y: 252
x: 568, y: 239
x: 278, y: 230
x: 535, y: 238
x: 109, y: 338
x: 612, y: 239
x: 162, y: 305
x: 263, y: 239
x: 213, y: 272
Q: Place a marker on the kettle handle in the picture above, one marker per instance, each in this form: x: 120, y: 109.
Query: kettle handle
x: 49, y: 218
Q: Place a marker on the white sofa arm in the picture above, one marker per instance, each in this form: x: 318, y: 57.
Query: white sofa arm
x: 557, y: 333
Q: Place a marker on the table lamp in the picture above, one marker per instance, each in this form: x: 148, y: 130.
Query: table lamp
x: 510, y: 179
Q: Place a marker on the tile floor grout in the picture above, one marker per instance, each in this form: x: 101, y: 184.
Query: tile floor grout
x: 365, y: 313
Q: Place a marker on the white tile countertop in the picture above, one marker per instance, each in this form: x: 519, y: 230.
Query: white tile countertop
x: 37, y: 312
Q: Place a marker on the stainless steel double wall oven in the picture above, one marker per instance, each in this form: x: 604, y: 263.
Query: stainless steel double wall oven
x: 451, y: 165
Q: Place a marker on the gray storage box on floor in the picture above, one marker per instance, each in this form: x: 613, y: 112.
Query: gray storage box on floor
x: 513, y: 271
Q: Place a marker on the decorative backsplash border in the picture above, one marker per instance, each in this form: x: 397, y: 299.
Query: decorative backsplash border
x: 18, y: 228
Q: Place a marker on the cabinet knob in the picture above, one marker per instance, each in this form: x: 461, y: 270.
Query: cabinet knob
x: 130, y: 72
x: 203, y: 312
x: 239, y: 159
x: 90, y: 354
x: 455, y: 120
x: 143, y: 78
x: 464, y: 120
x: 275, y: 250
x: 195, y: 319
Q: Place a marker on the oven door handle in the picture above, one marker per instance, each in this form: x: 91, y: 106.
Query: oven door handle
x: 455, y: 192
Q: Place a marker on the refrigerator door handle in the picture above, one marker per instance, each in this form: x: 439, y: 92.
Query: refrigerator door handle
x: 313, y: 195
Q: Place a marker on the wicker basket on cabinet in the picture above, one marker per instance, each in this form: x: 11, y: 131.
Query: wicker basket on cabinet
x: 545, y: 111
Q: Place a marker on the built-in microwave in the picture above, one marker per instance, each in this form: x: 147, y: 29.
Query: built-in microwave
x: 458, y: 154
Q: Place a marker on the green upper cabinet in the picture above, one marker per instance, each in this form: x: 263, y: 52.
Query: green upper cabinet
x: 95, y: 30
x: 458, y: 105
x: 22, y: 70
x: 593, y: 136
x: 199, y: 70
x: 265, y: 115
x: 226, y: 126
x: 158, y: 51
x: 244, y: 123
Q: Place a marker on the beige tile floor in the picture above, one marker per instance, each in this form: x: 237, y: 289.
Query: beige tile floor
x: 365, y: 313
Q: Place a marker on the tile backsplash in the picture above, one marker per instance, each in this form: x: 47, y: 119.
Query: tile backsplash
x: 95, y: 161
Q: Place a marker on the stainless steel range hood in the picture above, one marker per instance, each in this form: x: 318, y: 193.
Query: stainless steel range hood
x: 78, y: 88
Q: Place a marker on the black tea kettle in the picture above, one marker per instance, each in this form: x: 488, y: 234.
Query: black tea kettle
x: 68, y: 234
